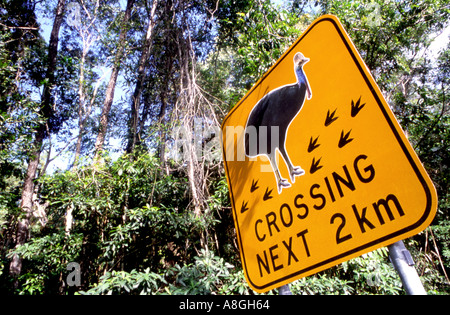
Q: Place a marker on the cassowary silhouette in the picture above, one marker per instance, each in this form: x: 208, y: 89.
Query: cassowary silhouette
x: 276, y: 111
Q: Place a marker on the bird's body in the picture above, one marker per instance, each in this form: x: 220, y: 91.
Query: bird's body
x: 264, y: 114
x: 274, y: 114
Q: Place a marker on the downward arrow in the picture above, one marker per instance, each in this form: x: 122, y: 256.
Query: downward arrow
x: 315, y: 166
x: 330, y: 118
x: 344, y: 140
x: 267, y: 195
x: 244, y: 207
x: 254, y: 186
x: 313, y: 144
x: 356, y: 108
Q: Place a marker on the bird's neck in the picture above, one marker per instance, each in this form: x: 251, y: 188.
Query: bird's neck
x: 301, y: 78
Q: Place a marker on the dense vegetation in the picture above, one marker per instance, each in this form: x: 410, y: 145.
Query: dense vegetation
x: 105, y: 122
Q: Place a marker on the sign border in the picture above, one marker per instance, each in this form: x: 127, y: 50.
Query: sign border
x: 369, y: 80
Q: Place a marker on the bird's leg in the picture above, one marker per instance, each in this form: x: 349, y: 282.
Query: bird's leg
x: 281, y: 182
x: 294, y: 171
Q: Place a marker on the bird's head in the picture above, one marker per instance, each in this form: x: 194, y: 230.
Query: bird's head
x: 300, y: 60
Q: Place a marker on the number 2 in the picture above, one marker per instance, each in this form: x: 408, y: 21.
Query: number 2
x: 339, y: 238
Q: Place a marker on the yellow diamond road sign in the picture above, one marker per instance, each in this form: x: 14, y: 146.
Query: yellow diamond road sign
x: 318, y: 168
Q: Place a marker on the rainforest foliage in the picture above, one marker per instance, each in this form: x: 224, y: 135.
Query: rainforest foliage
x: 109, y: 155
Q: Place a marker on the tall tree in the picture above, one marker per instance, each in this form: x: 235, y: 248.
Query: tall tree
x: 136, y: 98
x: 109, y: 97
x: 46, y: 110
x: 87, y: 30
x: 19, y: 39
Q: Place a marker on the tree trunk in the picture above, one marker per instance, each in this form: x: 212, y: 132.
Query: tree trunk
x: 112, y: 84
x: 81, y: 100
x: 164, y: 93
x: 52, y: 56
x: 26, y: 205
x: 136, y: 101
x: 162, y: 113
x: 84, y: 112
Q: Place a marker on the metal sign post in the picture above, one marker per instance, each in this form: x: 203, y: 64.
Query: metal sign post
x: 404, y: 264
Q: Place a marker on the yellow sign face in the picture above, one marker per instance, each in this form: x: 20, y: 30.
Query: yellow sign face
x: 318, y: 168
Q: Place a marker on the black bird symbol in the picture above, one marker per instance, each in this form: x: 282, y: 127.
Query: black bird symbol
x: 356, y: 108
x: 315, y: 166
x: 254, y: 186
x: 275, y: 112
x: 345, y: 139
x: 267, y: 194
x: 313, y: 144
x: 244, y: 207
x: 331, y: 118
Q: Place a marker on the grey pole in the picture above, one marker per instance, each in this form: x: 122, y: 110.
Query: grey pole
x: 404, y: 264
x: 284, y: 290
